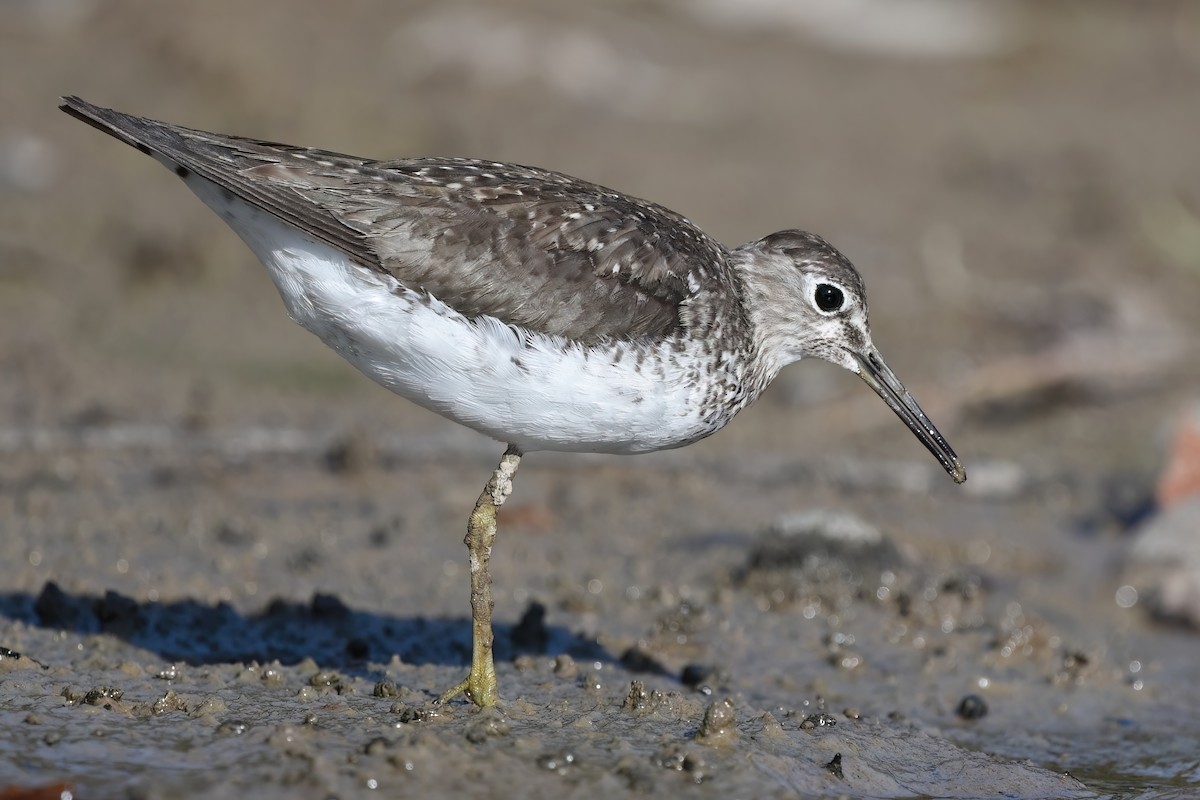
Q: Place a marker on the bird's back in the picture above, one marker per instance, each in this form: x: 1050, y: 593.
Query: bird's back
x: 529, y: 247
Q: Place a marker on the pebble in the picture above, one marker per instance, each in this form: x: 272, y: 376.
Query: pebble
x: 972, y: 707
x: 700, y: 677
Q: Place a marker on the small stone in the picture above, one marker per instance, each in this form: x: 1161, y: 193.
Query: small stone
x: 700, y: 677
x: 834, y: 767
x: 409, y: 714
x: 972, y: 707
x: 101, y: 695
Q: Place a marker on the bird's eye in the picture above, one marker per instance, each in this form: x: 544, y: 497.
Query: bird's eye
x: 829, y: 298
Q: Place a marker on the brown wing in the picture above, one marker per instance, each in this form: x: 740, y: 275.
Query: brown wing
x: 527, y: 246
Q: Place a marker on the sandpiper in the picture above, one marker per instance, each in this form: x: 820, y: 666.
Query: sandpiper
x: 544, y: 311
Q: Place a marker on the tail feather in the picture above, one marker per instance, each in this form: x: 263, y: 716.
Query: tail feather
x: 227, y: 162
x: 146, y: 135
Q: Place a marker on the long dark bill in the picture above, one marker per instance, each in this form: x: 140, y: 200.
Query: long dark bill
x: 885, y: 383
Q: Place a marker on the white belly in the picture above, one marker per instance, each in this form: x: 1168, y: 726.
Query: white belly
x: 535, y: 391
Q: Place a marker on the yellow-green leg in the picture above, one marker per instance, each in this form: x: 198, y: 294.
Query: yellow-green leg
x: 480, y: 684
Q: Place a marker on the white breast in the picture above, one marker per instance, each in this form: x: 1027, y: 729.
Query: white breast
x: 536, y: 391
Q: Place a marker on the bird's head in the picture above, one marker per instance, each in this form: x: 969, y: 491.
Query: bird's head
x: 807, y: 300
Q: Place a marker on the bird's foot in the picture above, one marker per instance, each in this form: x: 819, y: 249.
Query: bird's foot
x: 480, y: 686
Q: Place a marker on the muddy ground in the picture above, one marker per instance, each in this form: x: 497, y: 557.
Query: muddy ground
x: 230, y: 565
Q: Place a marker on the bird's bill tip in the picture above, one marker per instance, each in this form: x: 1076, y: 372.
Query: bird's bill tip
x: 876, y: 374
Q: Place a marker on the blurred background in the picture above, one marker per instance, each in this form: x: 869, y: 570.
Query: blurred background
x: 1018, y: 181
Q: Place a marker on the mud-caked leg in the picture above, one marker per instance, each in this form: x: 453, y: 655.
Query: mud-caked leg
x: 480, y: 684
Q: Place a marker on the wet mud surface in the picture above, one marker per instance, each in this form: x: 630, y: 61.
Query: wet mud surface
x: 665, y: 646
x: 231, y: 566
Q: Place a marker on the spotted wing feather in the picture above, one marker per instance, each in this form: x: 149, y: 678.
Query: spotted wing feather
x: 527, y: 246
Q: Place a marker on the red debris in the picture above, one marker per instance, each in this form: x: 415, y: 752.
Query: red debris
x: 51, y: 791
x: 1181, y: 478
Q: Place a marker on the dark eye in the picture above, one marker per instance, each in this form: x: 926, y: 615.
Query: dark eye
x: 829, y: 298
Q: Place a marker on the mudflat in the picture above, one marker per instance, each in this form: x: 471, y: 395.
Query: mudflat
x: 229, y: 564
